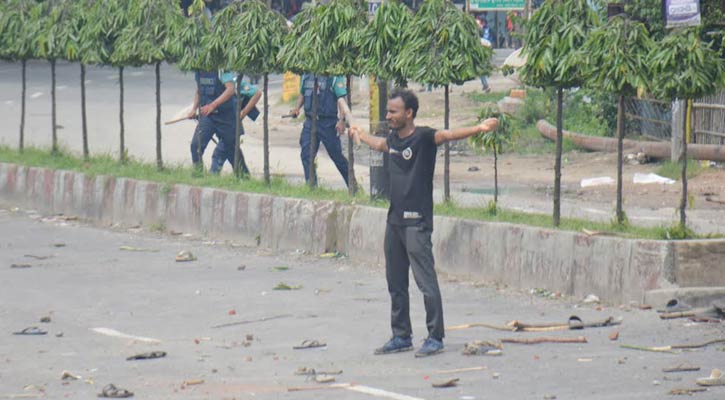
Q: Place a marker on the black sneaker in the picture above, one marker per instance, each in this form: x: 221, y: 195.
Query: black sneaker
x: 395, y: 345
x: 430, y: 346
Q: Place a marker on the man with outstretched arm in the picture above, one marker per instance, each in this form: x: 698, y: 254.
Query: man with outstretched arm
x: 410, y: 217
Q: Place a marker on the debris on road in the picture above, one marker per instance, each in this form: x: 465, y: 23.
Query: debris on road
x: 518, y: 326
x: 591, y: 299
x: 284, y: 286
x: 482, y: 347
x: 37, y: 257
x: 115, y: 333
x: 459, y: 370
x: 689, y: 392
x: 579, y: 339
x: 139, y: 249
x: 20, y: 266
x: 280, y: 268
x: 45, y: 319
x: 324, y: 378
x: 660, y: 349
x: 184, y: 256
x: 715, y: 379
x: 446, y: 384
x: 598, y: 181
x: 685, y: 367
x: 651, y: 178
x: 59, y: 244
x: 32, y: 330
x: 147, y: 356
x: 66, y: 375
x: 111, y: 391
x: 263, y: 319
x: 192, y: 382
x: 309, y: 344
x: 614, y: 335
x: 241, y: 267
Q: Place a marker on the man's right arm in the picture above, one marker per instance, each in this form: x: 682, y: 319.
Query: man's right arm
x: 296, y: 111
x: 375, y: 143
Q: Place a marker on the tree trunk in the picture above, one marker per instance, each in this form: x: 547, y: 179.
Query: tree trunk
x: 238, y: 170
x: 84, y: 120
x: 54, y: 131
x: 620, y: 146
x: 159, y: 160
x: 21, y: 145
x: 352, y: 183
x: 267, y: 179
x: 557, y: 162
x: 122, y: 133
x: 495, y: 174
x: 447, y: 163
x: 686, y: 133
x: 312, y: 171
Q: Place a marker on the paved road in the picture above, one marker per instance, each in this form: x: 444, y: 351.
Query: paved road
x: 91, y: 283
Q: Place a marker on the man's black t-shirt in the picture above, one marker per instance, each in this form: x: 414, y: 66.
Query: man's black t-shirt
x: 411, y: 167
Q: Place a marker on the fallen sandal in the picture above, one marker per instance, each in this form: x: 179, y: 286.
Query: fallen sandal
x: 309, y: 344
x: 445, y: 384
x: 575, y: 323
x: 32, y: 330
x: 111, y: 391
x: 147, y: 356
x: 715, y: 379
x: 675, y: 305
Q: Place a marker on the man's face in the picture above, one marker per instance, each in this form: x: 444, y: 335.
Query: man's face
x: 396, y: 114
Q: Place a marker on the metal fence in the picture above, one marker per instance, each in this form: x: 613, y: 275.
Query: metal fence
x: 653, y: 119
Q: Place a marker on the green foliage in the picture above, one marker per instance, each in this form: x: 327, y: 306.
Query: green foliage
x: 193, y: 56
x: 382, y: 41
x: 16, y: 25
x: 590, y: 112
x: 54, y: 30
x: 256, y: 50
x: 442, y: 46
x: 105, y: 19
x: 677, y: 232
x: 554, y: 35
x: 301, y: 50
x: 615, y: 57
x: 149, y: 33
x: 685, y: 66
x: 493, y: 140
x: 673, y: 170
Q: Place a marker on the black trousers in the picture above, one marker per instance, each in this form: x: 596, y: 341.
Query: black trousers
x: 410, y: 247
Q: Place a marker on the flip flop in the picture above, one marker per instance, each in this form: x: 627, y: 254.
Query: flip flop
x: 445, y: 384
x: 111, y: 391
x: 147, y: 356
x: 32, y: 330
x: 715, y: 379
x: 575, y: 323
x: 309, y: 344
x: 675, y: 305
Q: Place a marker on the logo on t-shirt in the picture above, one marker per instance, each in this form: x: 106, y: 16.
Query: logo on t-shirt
x: 407, y: 153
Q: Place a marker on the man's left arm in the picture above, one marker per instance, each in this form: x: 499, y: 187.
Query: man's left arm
x: 449, y: 135
x: 339, y: 88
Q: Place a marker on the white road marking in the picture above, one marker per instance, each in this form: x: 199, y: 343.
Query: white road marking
x: 115, y: 333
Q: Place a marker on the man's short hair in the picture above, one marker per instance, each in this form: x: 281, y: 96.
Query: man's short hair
x: 409, y: 99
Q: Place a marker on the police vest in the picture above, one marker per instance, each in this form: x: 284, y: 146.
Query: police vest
x: 326, y: 100
x: 210, y: 88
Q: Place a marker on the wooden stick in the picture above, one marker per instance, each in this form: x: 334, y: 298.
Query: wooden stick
x: 319, y: 387
x: 175, y: 120
x: 455, y: 371
x: 686, y: 391
x: 252, y: 321
x: 481, y: 325
x: 684, y: 314
x: 697, y: 346
x: 580, y: 339
x: 661, y: 349
x: 681, y: 368
x: 517, y: 326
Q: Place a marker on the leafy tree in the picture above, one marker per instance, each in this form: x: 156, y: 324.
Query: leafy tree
x: 150, y: 32
x: 554, y: 36
x: 16, y: 44
x: 255, y: 52
x: 52, y: 39
x: 304, y: 51
x: 345, y: 21
x: 493, y: 140
x: 442, y: 46
x: 616, y: 62
x: 382, y: 41
x: 685, y: 67
x: 105, y: 21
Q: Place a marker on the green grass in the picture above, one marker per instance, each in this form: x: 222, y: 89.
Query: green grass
x: 673, y: 170
x: 106, y: 165
x: 491, y: 97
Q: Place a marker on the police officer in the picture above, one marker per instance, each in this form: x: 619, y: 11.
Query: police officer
x: 249, y: 95
x: 215, y: 94
x: 329, y: 89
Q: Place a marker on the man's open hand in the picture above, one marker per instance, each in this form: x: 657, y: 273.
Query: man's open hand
x: 488, y: 125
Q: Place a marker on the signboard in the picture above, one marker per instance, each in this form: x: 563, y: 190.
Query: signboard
x: 373, y: 6
x: 494, y: 5
x: 681, y: 13
x: 290, y: 86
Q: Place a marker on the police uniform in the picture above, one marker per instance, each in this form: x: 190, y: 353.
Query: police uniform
x: 221, y: 122
x: 221, y: 152
x: 329, y: 90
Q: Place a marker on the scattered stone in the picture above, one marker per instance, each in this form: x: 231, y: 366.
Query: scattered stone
x: 614, y: 336
x: 591, y: 299
x: 59, y: 244
x: 241, y: 267
x: 473, y: 169
x: 184, y: 256
x: 45, y: 319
